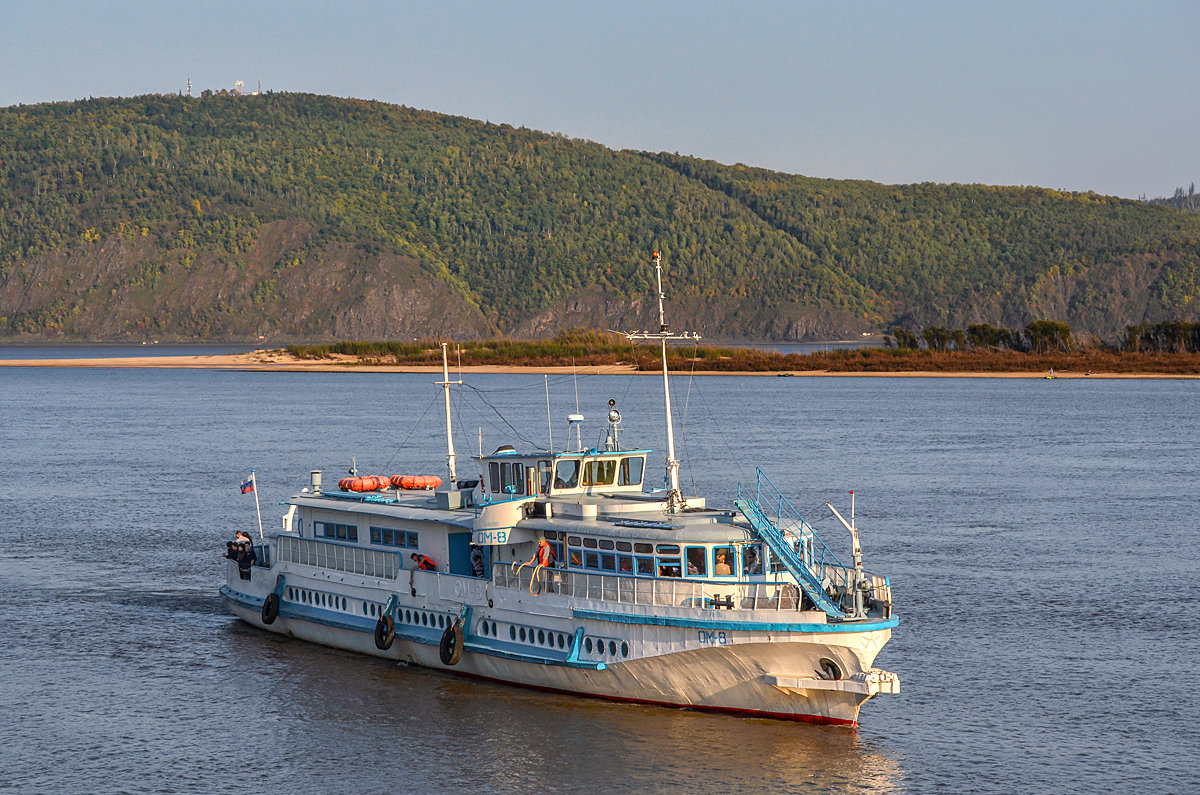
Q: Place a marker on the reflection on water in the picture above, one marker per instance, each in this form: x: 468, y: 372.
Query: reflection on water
x: 450, y: 731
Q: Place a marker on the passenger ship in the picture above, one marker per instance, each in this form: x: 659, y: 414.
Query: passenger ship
x: 650, y: 597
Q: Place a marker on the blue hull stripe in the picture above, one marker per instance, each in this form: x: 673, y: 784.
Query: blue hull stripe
x: 428, y: 637
x: 745, y: 626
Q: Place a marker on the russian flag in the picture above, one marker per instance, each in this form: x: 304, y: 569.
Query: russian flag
x: 248, y: 485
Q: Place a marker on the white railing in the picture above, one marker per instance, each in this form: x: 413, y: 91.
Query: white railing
x: 650, y: 591
x: 339, y: 557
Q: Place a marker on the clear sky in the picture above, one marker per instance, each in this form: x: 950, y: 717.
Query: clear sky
x: 1101, y: 96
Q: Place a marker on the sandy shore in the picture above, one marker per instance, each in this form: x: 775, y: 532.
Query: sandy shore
x: 275, y: 361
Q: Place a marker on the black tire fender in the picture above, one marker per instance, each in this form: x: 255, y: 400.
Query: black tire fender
x: 270, y: 608
x: 385, y: 632
x: 452, y: 644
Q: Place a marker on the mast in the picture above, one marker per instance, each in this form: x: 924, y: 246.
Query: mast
x: 445, y: 385
x: 675, y: 501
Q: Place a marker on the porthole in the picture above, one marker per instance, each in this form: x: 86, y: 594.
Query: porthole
x: 612, y: 648
x: 624, y: 546
x: 425, y: 619
x: 289, y: 595
x: 541, y: 638
x: 343, y: 603
x: 512, y: 632
x: 364, y: 608
x: 522, y: 633
x: 441, y: 622
x: 587, y: 645
x: 561, y: 642
x: 624, y: 649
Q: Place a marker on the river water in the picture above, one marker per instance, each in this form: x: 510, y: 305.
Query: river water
x: 1041, y: 536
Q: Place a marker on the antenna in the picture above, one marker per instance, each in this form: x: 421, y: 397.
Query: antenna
x: 189, y: 85
x: 549, y: 423
x: 445, y: 385
x: 675, y: 500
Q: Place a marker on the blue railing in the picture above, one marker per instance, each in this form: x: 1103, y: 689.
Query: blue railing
x: 793, y: 541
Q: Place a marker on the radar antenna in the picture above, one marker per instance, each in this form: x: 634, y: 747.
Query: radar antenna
x: 675, y: 500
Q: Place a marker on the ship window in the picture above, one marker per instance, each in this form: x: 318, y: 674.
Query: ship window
x: 631, y: 471
x: 512, y: 478
x: 723, y: 561
x: 608, y: 562
x: 696, y: 561
x: 388, y: 537
x: 599, y: 473
x: 668, y: 549
x: 612, y: 648
x: 624, y: 649
x: 341, y: 530
x: 544, y: 476
x: 593, y: 560
x: 512, y: 632
x: 590, y: 543
x: 566, y: 474
x: 752, y: 559
x: 352, y: 532
x: 573, y: 541
x: 551, y: 535
x: 624, y: 546
x: 625, y: 564
x: 606, y: 544
x: 541, y: 637
x: 669, y: 567
x: 587, y: 645
x: 575, y: 559
x: 645, y: 566
x: 643, y: 548
x: 558, y: 550
x: 494, y: 473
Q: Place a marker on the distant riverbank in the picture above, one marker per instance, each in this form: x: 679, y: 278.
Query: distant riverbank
x: 839, y: 363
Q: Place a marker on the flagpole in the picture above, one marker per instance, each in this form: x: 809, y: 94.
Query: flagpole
x: 254, y: 482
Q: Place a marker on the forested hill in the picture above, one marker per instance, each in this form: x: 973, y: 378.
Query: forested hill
x: 294, y: 216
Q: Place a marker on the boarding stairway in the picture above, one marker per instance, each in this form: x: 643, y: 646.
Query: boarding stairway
x: 793, y: 541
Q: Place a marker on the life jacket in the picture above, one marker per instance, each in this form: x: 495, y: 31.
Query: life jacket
x: 425, y: 563
x: 544, y: 555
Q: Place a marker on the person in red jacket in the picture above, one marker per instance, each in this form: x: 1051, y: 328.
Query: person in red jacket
x: 423, y: 562
x: 544, y: 556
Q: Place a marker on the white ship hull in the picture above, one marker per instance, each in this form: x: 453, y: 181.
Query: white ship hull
x: 767, y: 666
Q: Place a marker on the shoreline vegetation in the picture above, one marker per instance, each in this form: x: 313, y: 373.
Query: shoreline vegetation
x: 598, y: 352
x: 1044, y: 347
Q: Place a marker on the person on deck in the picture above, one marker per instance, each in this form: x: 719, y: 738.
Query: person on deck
x: 544, y: 555
x: 246, y: 559
x: 476, y: 561
x: 721, y: 568
x: 423, y: 562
